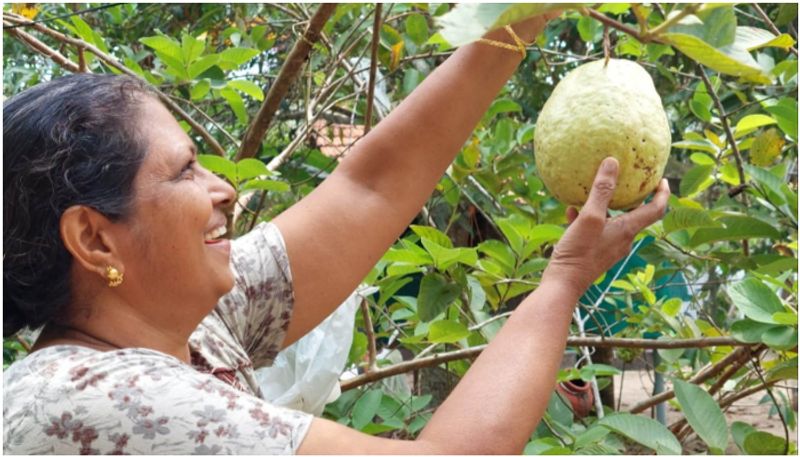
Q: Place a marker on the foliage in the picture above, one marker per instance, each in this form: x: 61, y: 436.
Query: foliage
x: 723, y: 262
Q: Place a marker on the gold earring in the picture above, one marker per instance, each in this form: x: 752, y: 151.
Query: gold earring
x: 114, y: 277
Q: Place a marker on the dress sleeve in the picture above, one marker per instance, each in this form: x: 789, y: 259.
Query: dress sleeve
x: 258, y: 309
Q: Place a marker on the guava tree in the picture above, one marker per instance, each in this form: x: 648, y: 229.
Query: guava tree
x: 275, y: 94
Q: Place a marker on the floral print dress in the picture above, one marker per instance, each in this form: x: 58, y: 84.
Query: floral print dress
x: 76, y: 400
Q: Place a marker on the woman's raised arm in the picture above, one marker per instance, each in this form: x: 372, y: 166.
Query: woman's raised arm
x: 499, y: 402
x: 337, y: 233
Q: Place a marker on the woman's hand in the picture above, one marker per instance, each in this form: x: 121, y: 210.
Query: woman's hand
x: 594, y: 242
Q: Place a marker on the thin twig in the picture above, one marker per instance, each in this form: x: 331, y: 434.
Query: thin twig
x: 208, y: 118
x: 757, y: 369
x: 373, y: 68
x: 25, y: 345
x: 251, y: 143
x: 723, y: 117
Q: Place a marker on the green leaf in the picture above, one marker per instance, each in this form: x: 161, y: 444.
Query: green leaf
x: 503, y: 105
x: 749, y: 331
x: 733, y: 61
x: 785, y: 318
x: 785, y: 111
x: 697, y: 145
x: 447, y: 332
x: 500, y: 252
x: 672, y: 306
x: 366, y: 407
x: 191, y: 48
x: 590, y: 436
x: 695, y: 180
x: 780, y: 338
x: 436, y: 293
x: 199, y: 89
x: 247, y: 87
x: 468, y: 22
x: 269, y: 185
x: 765, y: 179
x: 417, y: 28
x: 755, y: 300
x: 199, y: 66
x: 703, y: 414
x: 219, y: 165
x: 433, y: 234
x: 250, y: 168
x: 784, y: 370
x: 644, y: 431
x: 766, y: 147
x: 614, y: 8
x: 164, y: 45
x: 238, y: 56
x: 763, y: 443
x: 515, y: 240
x: 589, y: 29
x: 751, y: 122
x: 752, y: 38
x: 236, y: 103
x: 683, y: 218
x: 739, y: 431
x: 597, y: 370
x: 736, y: 228
x: 409, y: 256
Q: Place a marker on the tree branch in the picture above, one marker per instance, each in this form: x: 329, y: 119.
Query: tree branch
x: 605, y: 20
x: 113, y: 62
x: 42, y: 48
x: 372, y: 352
x: 251, y: 143
x: 373, y: 68
x: 707, y: 373
x: 437, y: 359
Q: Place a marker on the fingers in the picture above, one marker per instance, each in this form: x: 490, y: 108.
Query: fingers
x: 602, y: 189
x: 645, y: 215
x: 572, y: 214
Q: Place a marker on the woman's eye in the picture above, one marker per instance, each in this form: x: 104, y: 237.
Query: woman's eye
x: 188, y: 170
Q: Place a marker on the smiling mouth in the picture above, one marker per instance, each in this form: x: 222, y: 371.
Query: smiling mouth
x: 215, y: 234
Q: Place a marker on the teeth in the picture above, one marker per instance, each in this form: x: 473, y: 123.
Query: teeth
x: 216, y: 233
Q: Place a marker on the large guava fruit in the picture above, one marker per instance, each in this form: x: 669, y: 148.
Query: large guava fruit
x: 598, y: 111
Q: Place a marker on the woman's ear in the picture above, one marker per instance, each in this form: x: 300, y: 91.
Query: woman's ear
x: 87, y: 236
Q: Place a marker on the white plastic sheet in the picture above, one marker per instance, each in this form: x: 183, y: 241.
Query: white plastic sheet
x: 305, y: 375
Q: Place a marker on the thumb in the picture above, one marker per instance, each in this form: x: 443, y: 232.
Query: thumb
x: 603, y: 188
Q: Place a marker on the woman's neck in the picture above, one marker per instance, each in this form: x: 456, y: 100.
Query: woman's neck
x: 68, y: 334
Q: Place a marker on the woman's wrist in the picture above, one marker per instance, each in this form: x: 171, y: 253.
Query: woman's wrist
x: 569, y: 284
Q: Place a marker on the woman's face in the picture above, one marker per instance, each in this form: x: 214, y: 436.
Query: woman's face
x: 173, y: 256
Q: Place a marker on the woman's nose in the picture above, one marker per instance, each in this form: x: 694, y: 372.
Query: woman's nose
x: 222, y: 193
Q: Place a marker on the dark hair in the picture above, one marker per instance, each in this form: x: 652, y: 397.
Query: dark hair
x: 71, y: 141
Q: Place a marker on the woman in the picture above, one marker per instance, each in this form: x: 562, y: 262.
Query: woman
x: 153, y: 323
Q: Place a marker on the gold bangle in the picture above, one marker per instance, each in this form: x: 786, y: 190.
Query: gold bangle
x: 520, y: 46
